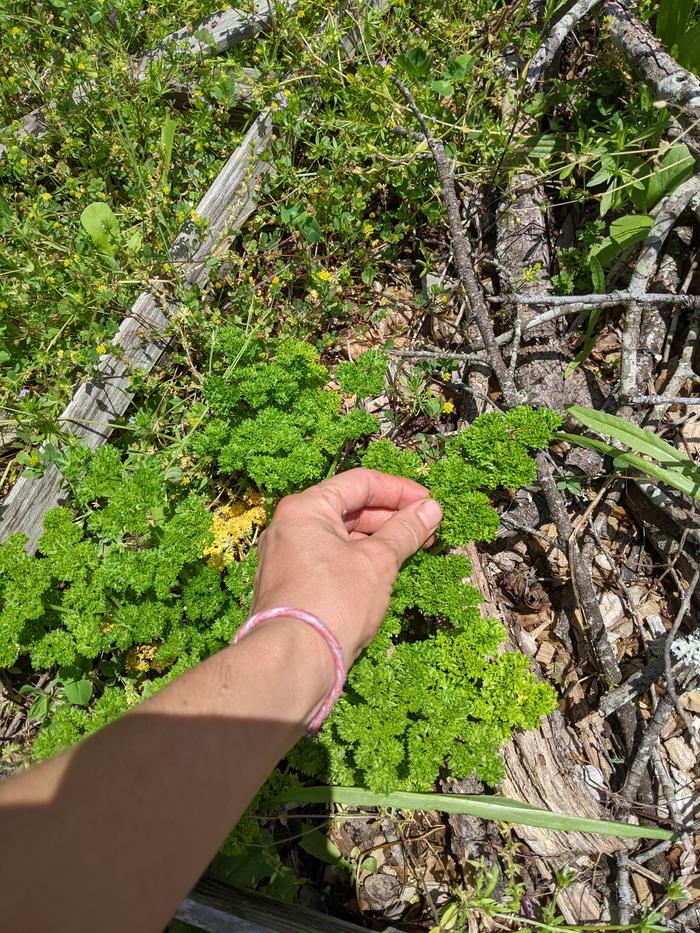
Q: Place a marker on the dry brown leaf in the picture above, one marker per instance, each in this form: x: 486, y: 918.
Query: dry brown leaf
x: 680, y: 754
x: 690, y: 701
x: 545, y: 654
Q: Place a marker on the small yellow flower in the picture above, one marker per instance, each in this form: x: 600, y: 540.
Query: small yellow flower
x: 100, y: 349
x: 66, y: 261
x: 59, y: 354
x: 81, y: 67
x: 180, y: 216
x: 273, y: 105
x: 448, y: 407
x: 166, y: 189
x: 15, y: 30
x: 276, y: 280
x: 447, y: 376
x: 46, y: 196
x: 300, y: 14
x: 197, y: 147
x: 368, y: 229
x: 372, y: 215
x: 324, y: 275
x: 251, y: 280
x: 388, y: 69
x: 22, y: 161
x: 47, y: 44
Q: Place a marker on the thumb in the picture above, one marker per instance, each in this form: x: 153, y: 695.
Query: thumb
x: 408, y: 529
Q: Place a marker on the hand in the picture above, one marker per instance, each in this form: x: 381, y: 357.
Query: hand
x: 335, y: 550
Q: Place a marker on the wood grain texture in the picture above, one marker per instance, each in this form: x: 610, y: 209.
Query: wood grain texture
x: 539, y: 764
x: 224, y: 30
x: 218, y: 908
x: 648, y: 57
x: 142, y: 337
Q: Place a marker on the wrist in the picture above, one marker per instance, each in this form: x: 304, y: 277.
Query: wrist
x: 294, y: 662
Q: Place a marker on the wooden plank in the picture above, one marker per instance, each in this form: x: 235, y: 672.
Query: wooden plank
x: 140, y: 341
x: 218, y: 908
x: 224, y: 29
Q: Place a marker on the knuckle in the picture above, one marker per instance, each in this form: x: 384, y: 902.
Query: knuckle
x: 287, y: 508
x: 385, y: 558
x: 407, y: 531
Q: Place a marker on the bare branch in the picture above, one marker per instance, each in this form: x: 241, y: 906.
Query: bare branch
x: 666, y: 219
x: 671, y: 83
x: 462, y: 253
x: 544, y: 57
x: 664, y: 706
x: 610, y: 298
x: 438, y: 354
x: 664, y: 400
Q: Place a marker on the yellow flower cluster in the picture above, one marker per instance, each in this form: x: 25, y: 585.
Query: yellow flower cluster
x: 141, y: 658
x: 233, y: 524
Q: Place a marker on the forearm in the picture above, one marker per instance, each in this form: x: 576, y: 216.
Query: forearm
x: 119, y: 827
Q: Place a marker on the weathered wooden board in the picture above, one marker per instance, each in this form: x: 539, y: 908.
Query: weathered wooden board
x: 636, y: 43
x: 218, y: 908
x: 223, y: 29
x: 141, y: 339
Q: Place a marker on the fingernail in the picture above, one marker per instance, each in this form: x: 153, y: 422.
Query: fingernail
x: 430, y: 513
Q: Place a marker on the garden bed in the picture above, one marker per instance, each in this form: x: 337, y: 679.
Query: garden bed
x: 346, y: 295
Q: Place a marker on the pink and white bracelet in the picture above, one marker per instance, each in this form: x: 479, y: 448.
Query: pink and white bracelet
x: 333, y: 644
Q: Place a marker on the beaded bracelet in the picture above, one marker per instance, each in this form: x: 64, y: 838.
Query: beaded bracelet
x: 333, y: 645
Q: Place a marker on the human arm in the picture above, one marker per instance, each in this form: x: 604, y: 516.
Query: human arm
x: 119, y: 827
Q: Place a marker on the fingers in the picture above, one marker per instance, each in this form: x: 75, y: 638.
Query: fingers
x: 367, y: 521
x: 360, y: 489
x: 408, y: 530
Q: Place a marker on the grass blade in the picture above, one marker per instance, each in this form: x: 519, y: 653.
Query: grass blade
x: 502, y: 809
x: 638, y: 439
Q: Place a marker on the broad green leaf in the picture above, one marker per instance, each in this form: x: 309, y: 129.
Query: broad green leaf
x: 133, y: 244
x: 311, y: 231
x: 460, y: 67
x: 5, y: 216
x: 631, y: 229
x: 39, y: 708
x: 102, y: 226
x: 78, y: 692
x: 542, y: 145
x: 601, y: 176
x: 488, y: 808
x: 675, y: 166
x: 622, y: 459
x: 321, y: 847
x: 167, y: 137
x: 206, y: 38
x: 672, y: 20
x: 416, y: 62
x: 689, y: 484
x: 689, y: 49
x: 638, y: 439
x: 606, y: 202
x: 443, y: 88
x: 597, y: 274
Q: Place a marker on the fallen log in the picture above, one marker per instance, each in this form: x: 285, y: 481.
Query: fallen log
x: 215, y: 34
x: 678, y: 89
x: 142, y: 336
